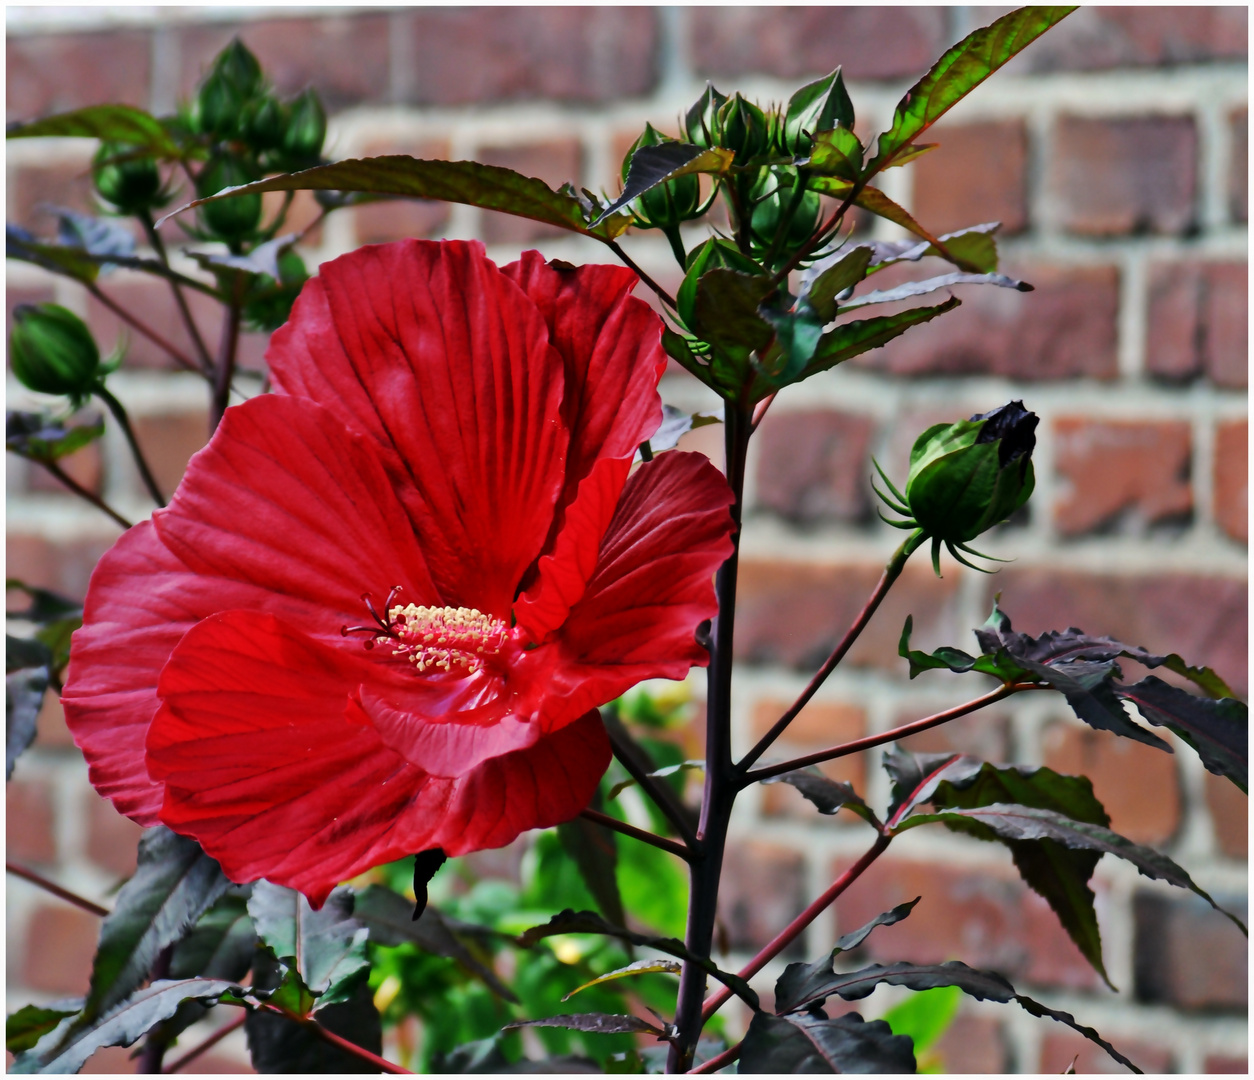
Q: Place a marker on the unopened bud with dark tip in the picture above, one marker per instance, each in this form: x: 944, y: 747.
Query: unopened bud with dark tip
x: 231, y: 218
x: 701, y: 126
x: 265, y: 123
x: 743, y: 129
x: 52, y: 351
x: 127, y: 178
x: 239, y: 67
x: 306, y: 127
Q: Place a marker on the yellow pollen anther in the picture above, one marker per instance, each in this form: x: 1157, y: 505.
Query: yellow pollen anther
x: 441, y: 637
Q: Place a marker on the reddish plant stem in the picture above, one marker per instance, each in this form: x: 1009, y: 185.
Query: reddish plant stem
x: 663, y: 797
x: 760, y: 411
x: 885, y: 736
x: 82, y: 492
x: 719, y: 1061
x: 338, y: 1040
x: 631, y: 264
x: 181, y: 358
x: 210, y: 1042
x: 637, y: 834
x: 56, y: 890
x: 785, y: 937
x: 224, y: 373
x: 158, y: 246
x: 124, y: 422
x: 891, y: 572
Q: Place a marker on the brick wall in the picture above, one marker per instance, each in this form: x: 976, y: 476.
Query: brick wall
x: 1114, y: 153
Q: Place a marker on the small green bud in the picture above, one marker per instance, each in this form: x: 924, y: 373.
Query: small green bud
x: 819, y: 106
x: 52, y: 351
x: 239, y: 67
x: 744, y: 129
x: 130, y: 182
x: 969, y: 476
x: 670, y: 203
x: 233, y: 81
x: 772, y: 202
x: 701, y: 127
x: 306, y: 128
x: 234, y: 218
x: 265, y: 123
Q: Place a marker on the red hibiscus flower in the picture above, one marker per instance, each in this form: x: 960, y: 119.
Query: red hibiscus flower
x: 380, y: 612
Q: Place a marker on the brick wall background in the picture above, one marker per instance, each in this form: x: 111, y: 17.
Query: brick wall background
x: 1113, y: 151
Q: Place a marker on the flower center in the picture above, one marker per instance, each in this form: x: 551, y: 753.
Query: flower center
x: 438, y: 638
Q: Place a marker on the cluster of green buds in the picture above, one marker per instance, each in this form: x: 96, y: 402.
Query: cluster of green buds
x: 667, y: 205
x: 965, y: 478
x: 251, y: 132
x: 51, y: 351
x: 128, y: 178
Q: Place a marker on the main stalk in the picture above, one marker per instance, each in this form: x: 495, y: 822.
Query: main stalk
x: 720, y: 780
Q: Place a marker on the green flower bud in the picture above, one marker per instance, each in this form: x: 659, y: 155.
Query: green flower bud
x: 969, y: 476
x: 819, y: 106
x: 701, y: 127
x: 52, y: 351
x: 265, y: 123
x: 670, y: 203
x: 744, y: 129
x: 714, y: 254
x: 234, y: 80
x: 239, y: 67
x: 234, y: 218
x: 131, y: 183
x: 306, y: 128
x: 772, y: 201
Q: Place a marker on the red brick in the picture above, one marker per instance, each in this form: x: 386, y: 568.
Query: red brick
x: 151, y: 301
x: 51, y: 732
x: 344, y: 57
x: 64, y: 566
x: 984, y: 734
x: 50, y: 73
x: 790, y: 42
x: 971, y: 1044
x: 794, y: 614
x: 1230, y: 815
x: 60, y: 942
x: 1060, y: 1049
x: 984, y: 916
x: 1199, y: 322
x: 762, y: 890
x: 111, y: 838
x: 1232, y: 501
x: 396, y: 219
x: 818, y: 726
x: 1137, y: 784
x: 1127, y: 175
x: 168, y: 443
x: 1219, y: 1063
x: 1096, y: 38
x: 1239, y: 168
x: 978, y: 174
x: 1189, y: 955
x: 555, y: 162
x: 83, y: 466
x: 1065, y: 329
x: 30, y: 821
x: 813, y: 465
x: 1116, y: 470
x: 576, y: 54
x: 1204, y: 619
x: 118, y: 1060
x: 37, y: 188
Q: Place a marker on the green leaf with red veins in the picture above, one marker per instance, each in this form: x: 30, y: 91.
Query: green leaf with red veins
x: 109, y: 123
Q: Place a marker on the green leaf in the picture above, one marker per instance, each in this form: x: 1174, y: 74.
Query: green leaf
x: 70, y: 262
x: 693, y: 764
x: 921, y: 288
x: 836, y: 153
x: 388, y: 917
x: 679, y: 350
x: 486, y: 186
x: 587, y: 922
x: 41, y: 437
x: 653, y: 165
x: 24, y: 1028
x: 221, y: 944
x: 951, y: 659
x: 957, y: 73
x: 1218, y: 730
x: 826, y: 794
x: 595, y: 852
x: 123, y: 1024
x: 926, y: 1015
x: 640, y: 967
x: 174, y: 884
x: 854, y: 338
x: 1015, y: 822
x: 326, y: 947
x: 109, y: 123
x: 27, y: 676
x: 785, y: 1045
x: 916, y: 777
x: 798, y: 334
x: 821, y: 285
x: 1089, y: 689
x: 726, y: 312
x: 599, y: 1023
x: 982, y: 985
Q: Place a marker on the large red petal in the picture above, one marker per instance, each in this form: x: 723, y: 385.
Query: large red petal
x: 654, y: 581
x: 430, y: 350
x: 271, y: 765
x: 284, y: 511
x: 610, y: 344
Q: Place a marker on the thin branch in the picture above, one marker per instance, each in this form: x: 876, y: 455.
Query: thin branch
x: 817, y: 237
x: 662, y: 294
x: 661, y: 794
x: 760, y: 411
x: 785, y: 937
x: 224, y: 373
x: 181, y: 358
x: 193, y: 331
x: 81, y: 491
x: 866, y: 743
x: 56, y: 890
x: 891, y: 572
x: 338, y: 1040
x: 719, y: 1061
x: 638, y: 834
x: 124, y: 422
x: 211, y: 1041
